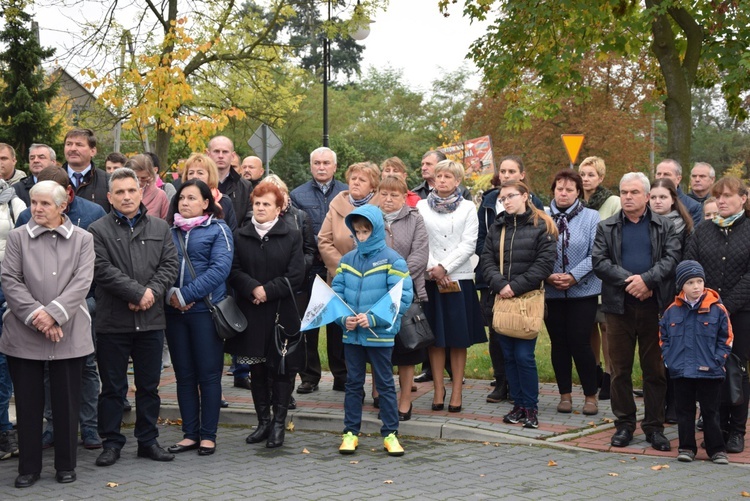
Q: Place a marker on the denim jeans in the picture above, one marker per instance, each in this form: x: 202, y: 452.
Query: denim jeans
x: 198, y: 358
x: 112, y: 352
x: 520, y: 370
x: 6, y: 385
x: 357, y: 357
x: 6, y: 390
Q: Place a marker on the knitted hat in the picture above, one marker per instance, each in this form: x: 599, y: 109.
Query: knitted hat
x: 687, y: 270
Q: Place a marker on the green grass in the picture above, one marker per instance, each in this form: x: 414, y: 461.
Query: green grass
x: 478, y: 365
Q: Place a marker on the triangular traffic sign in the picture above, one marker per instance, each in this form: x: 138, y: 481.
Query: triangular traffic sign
x: 572, y: 143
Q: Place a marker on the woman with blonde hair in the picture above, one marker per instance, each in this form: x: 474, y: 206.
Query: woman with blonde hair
x: 452, y: 308
x: 529, y: 254
x: 200, y: 166
x: 335, y: 239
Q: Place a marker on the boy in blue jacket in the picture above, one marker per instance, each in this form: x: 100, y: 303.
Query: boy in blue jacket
x: 696, y: 338
x: 365, y: 275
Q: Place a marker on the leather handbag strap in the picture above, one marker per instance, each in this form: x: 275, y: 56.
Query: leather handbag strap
x: 291, y: 291
x: 186, y: 257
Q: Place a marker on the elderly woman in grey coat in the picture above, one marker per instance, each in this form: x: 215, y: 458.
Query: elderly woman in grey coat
x: 406, y: 234
x: 46, y: 274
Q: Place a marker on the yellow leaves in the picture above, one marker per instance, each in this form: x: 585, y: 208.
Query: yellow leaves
x: 167, y: 422
x: 305, y: 451
x: 112, y: 485
x: 745, y: 494
x: 290, y: 425
x: 658, y: 467
x: 611, y: 474
x: 551, y: 463
x: 353, y: 462
x: 388, y: 482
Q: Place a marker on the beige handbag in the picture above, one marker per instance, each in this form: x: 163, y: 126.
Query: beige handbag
x: 520, y: 317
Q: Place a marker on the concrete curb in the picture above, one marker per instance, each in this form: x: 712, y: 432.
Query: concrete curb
x: 314, y: 421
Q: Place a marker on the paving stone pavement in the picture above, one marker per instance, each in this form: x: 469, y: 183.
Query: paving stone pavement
x: 431, y: 469
x: 322, y: 410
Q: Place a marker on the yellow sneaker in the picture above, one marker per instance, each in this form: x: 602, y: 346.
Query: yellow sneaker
x: 349, y: 443
x: 390, y: 443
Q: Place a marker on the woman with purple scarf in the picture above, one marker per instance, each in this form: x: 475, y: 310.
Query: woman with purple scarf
x: 197, y: 351
x: 571, y: 292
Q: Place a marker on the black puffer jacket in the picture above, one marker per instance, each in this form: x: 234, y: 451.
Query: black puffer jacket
x: 530, y: 254
x: 607, y: 259
x: 724, y: 254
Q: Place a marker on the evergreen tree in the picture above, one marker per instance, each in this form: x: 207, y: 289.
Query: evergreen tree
x: 25, y: 117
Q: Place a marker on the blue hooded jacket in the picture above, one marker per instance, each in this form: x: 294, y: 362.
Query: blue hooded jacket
x: 365, y: 275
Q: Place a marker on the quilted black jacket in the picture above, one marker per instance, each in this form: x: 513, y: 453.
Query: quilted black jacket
x: 724, y: 254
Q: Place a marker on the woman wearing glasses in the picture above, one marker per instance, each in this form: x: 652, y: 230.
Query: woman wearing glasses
x: 528, y: 258
x: 452, y: 308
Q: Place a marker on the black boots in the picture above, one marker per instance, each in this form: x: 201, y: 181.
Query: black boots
x: 262, y: 400
x: 282, y: 390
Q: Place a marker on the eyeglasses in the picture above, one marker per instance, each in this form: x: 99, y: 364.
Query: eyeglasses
x: 509, y: 197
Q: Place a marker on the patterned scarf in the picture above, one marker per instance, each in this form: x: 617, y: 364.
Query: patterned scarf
x: 188, y: 223
x: 444, y: 205
x: 562, y: 219
x: 726, y: 222
x: 598, y: 198
x: 361, y: 202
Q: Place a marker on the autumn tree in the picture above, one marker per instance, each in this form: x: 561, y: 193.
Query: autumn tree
x: 616, y: 119
x: 25, y: 96
x: 533, y: 48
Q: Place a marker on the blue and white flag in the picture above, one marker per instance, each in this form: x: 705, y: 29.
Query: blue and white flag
x: 385, y: 310
x: 324, y: 307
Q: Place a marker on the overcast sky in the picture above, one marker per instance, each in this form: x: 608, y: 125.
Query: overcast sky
x: 411, y: 35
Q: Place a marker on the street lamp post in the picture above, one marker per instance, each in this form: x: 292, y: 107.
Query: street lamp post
x: 360, y: 33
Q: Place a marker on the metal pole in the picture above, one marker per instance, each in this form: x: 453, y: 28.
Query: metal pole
x: 264, y: 138
x: 326, y: 70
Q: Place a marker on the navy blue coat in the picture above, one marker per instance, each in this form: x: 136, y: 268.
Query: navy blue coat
x: 696, y: 340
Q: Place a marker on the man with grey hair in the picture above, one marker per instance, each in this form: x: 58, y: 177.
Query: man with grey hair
x: 314, y: 198
x: 635, y: 254
x: 702, y: 178
x: 672, y: 170
x: 136, y: 263
x: 41, y: 156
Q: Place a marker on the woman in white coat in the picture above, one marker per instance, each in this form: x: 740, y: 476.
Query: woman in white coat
x: 453, y: 308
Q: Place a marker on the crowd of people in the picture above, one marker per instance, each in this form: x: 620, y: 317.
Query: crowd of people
x: 107, y: 271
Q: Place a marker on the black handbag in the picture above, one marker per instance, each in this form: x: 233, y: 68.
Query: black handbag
x: 732, y: 390
x: 288, y: 354
x: 415, y: 332
x: 227, y: 316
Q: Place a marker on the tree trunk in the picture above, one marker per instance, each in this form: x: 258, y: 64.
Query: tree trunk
x: 163, y: 138
x: 679, y: 72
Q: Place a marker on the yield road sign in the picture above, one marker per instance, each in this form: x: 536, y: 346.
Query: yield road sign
x: 572, y: 143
